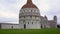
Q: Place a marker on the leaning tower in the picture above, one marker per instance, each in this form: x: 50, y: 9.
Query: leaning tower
x: 29, y: 16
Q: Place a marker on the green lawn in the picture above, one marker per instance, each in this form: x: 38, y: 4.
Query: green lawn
x: 30, y: 31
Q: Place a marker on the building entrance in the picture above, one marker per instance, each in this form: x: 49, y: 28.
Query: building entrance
x: 24, y: 26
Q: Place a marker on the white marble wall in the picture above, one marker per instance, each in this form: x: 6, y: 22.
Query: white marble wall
x: 8, y: 26
x: 30, y: 17
x: 28, y: 20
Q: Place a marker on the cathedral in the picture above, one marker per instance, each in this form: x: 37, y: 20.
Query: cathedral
x: 30, y: 18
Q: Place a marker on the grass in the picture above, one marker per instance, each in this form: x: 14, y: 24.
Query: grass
x: 30, y: 31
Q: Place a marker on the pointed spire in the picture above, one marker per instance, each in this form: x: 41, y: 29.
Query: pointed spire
x: 29, y: 1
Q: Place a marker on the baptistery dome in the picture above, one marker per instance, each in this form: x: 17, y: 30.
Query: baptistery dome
x: 29, y: 4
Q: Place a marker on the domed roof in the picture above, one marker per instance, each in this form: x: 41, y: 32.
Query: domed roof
x: 29, y: 4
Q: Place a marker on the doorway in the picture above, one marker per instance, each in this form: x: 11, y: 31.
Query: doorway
x: 41, y: 26
x: 24, y: 26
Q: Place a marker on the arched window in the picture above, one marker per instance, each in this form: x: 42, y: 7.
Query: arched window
x: 31, y: 10
x: 24, y: 16
x: 32, y: 22
x: 28, y: 22
x: 19, y: 17
x: 27, y: 10
x: 34, y: 10
x: 30, y: 16
x: 24, y: 10
x: 12, y: 27
x: 44, y: 26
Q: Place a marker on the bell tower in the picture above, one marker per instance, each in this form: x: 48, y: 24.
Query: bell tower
x: 55, y: 19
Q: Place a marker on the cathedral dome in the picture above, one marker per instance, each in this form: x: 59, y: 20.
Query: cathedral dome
x: 29, y: 4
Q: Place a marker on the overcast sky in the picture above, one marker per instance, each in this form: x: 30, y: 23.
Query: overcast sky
x: 9, y: 9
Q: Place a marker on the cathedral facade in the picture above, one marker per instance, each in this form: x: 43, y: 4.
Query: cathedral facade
x: 30, y: 18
